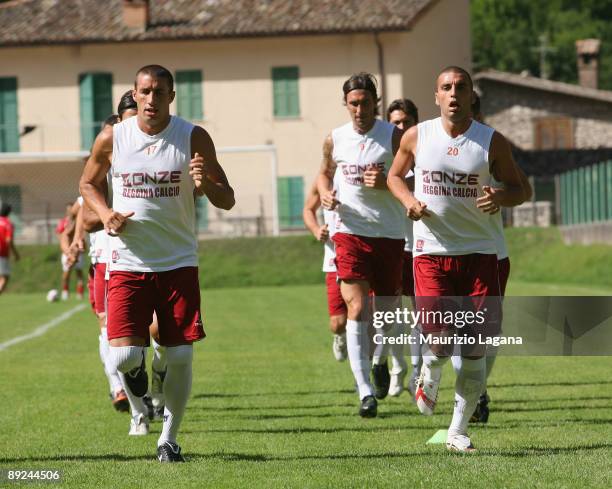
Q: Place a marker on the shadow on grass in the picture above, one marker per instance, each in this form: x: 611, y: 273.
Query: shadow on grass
x: 229, y: 395
x: 197, y: 407
x: 549, y: 384
x: 528, y: 451
x: 365, y: 428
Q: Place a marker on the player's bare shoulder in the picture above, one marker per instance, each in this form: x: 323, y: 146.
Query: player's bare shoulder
x: 201, y: 141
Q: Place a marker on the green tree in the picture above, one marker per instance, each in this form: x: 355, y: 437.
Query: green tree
x: 505, y: 34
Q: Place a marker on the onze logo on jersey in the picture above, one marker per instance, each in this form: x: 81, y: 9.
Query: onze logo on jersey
x: 142, y: 178
x: 353, y: 172
x: 457, y: 178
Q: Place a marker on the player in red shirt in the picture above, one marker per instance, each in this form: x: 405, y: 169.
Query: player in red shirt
x: 7, y: 245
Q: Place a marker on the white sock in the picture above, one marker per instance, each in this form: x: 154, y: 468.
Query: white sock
x: 137, y: 405
x: 398, y: 362
x: 177, y: 387
x: 159, y: 357
x: 382, y: 350
x: 125, y: 358
x: 433, y: 366
x: 358, y: 345
x: 491, y: 356
x: 468, y: 387
x: 457, y: 361
x: 114, y: 381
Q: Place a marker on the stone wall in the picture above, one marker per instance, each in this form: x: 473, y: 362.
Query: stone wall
x: 511, y: 109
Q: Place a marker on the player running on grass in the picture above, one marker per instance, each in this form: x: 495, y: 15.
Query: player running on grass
x: 335, y: 304
x: 7, y: 245
x: 159, y: 163
x: 403, y: 114
x: 454, y: 158
x: 370, y: 230
x: 481, y: 413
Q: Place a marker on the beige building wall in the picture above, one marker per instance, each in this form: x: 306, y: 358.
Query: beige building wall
x: 237, y: 89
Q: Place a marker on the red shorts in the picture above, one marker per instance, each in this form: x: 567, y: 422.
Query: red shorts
x: 474, y: 276
x: 174, y: 295
x: 335, y: 302
x: 378, y: 261
x: 407, y: 275
x: 100, y: 288
x: 503, y: 268
x: 90, y: 286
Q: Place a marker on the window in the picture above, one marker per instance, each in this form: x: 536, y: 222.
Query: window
x: 553, y: 133
x: 9, y: 127
x: 189, y: 94
x: 96, y: 93
x: 290, y: 201
x: 201, y: 209
x: 286, y: 94
x: 11, y: 194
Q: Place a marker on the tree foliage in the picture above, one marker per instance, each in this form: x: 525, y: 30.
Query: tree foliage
x: 505, y: 33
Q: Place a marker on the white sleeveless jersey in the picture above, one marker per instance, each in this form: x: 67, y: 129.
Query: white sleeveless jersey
x: 498, y: 230
x: 409, y: 234
x: 98, y: 247
x: 449, y: 175
x: 366, y: 211
x: 99, y: 241
x: 329, y: 264
x: 150, y: 176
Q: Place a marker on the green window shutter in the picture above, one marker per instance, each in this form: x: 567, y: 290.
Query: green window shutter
x: 201, y: 214
x: 189, y: 94
x: 9, y: 125
x: 96, y: 104
x: 290, y: 201
x: 285, y: 91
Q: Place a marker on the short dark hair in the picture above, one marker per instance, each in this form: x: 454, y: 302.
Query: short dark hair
x: 127, y: 102
x: 456, y: 69
x: 111, y: 120
x: 5, y: 209
x: 362, y: 81
x: 156, y: 71
x: 405, y: 105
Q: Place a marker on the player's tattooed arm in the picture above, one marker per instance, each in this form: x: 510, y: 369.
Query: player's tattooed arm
x: 208, y: 176
x: 326, y: 176
x: 309, y: 213
x: 396, y: 181
x: 516, y: 188
x: 93, y: 183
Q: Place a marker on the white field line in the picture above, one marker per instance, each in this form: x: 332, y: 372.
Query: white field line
x: 42, y: 329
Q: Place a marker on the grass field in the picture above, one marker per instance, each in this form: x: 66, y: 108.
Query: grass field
x: 537, y: 254
x: 271, y: 408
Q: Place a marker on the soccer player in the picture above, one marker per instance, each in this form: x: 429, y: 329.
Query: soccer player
x: 335, y: 304
x: 454, y: 158
x: 159, y: 164
x: 66, y: 229
x: 149, y: 406
x: 404, y: 114
x: 370, y: 230
x: 7, y: 245
x: 481, y: 413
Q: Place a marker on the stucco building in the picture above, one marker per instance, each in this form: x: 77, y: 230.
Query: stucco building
x: 252, y: 72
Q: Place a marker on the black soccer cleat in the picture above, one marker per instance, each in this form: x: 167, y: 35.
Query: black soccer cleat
x: 481, y: 413
x: 169, y: 452
x: 381, y: 380
x: 137, y: 379
x: 369, y: 407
